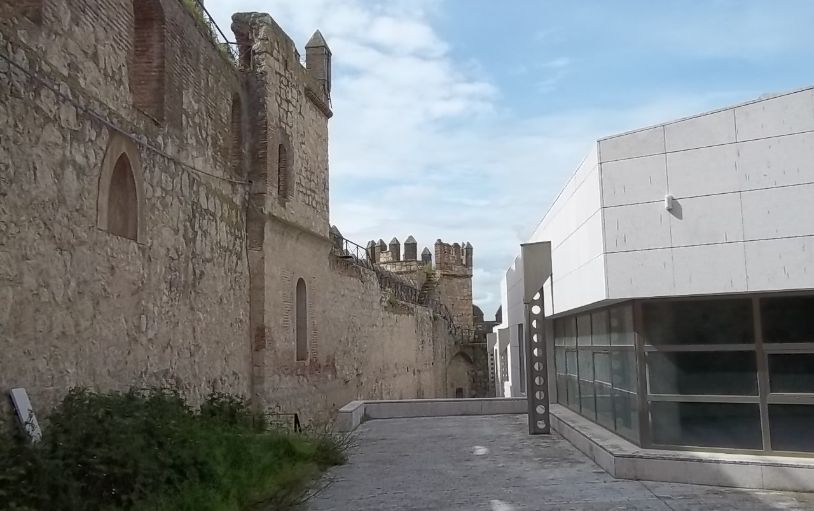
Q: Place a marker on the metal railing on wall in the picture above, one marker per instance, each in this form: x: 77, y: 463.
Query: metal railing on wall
x: 402, y: 289
x: 205, y: 19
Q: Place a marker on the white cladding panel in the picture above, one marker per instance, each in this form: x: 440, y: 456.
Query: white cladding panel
x: 715, y: 128
x: 573, y: 225
x: 781, y: 115
x: 729, y: 189
x: 742, y: 180
x: 704, y: 171
x: 631, y: 145
x: 634, y: 180
x: 780, y: 264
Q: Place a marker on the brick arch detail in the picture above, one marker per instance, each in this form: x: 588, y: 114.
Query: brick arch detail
x: 148, y: 65
x: 117, y: 147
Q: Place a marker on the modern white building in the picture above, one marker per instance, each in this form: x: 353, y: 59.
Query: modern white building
x: 676, y: 269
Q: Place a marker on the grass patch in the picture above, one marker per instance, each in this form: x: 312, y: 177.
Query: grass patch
x: 149, y: 450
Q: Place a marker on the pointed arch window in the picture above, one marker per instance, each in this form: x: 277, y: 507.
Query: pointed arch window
x: 119, y: 202
x: 301, y: 303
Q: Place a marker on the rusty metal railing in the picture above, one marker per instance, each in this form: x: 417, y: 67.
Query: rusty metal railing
x: 202, y: 15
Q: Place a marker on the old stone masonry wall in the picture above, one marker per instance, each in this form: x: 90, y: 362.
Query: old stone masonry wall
x: 164, y: 218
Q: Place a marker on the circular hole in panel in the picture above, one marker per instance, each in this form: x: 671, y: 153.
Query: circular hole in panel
x: 540, y: 409
x: 537, y: 352
x: 540, y: 395
x: 541, y: 424
x: 536, y: 297
x: 534, y: 324
x: 536, y: 310
x: 534, y: 338
x: 538, y: 380
x: 538, y: 366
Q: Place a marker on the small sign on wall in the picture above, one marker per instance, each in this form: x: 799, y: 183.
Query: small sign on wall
x: 25, y: 413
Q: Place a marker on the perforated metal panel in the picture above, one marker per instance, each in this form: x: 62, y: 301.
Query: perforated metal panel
x: 537, y: 368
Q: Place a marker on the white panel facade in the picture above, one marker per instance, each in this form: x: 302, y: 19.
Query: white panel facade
x: 781, y: 115
x: 573, y: 225
x: 781, y: 264
x: 742, y: 182
x: 779, y: 212
x: 634, y: 181
x: 632, y: 145
x: 704, y: 171
x: 708, y: 269
x: 731, y: 185
x: 716, y: 128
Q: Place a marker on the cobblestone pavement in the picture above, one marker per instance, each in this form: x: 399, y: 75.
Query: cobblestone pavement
x: 491, y: 463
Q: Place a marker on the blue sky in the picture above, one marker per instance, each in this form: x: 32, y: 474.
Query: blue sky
x: 462, y: 119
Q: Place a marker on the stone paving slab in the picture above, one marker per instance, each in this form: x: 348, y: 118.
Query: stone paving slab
x: 491, y: 463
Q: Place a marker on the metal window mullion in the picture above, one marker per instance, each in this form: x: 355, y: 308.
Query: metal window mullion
x: 703, y: 398
x: 676, y: 348
x: 790, y: 399
x: 762, y: 374
x: 645, y: 435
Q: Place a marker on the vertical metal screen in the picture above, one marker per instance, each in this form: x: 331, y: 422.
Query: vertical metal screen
x: 536, y: 368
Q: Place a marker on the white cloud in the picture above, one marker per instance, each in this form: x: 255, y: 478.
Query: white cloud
x: 421, y: 143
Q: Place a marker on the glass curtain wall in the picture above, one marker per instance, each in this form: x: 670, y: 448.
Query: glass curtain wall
x: 731, y: 373
x: 595, y: 363
x: 720, y: 373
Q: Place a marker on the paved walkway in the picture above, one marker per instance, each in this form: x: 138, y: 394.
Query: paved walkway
x: 491, y: 463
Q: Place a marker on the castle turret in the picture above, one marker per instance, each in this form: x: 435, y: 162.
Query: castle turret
x: 426, y: 256
x: 318, y: 61
x: 371, y: 251
x: 410, y: 249
x: 395, y: 249
x: 468, y: 255
x: 336, y: 237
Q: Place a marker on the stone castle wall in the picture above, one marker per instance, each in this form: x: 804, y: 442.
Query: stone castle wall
x: 80, y: 306
x: 203, y: 297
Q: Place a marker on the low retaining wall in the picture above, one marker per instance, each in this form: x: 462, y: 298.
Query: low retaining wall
x: 624, y: 460
x: 356, y: 412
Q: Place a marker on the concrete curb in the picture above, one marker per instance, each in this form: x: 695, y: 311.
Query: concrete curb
x: 624, y: 460
x: 357, y: 412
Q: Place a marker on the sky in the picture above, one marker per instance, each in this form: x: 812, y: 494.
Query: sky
x: 463, y: 119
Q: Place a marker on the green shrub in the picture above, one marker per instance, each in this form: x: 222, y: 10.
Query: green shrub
x: 148, y: 450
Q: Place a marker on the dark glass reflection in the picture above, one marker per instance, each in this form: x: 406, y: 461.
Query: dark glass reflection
x: 788, y: 319
x: 698, y: 322
x: 623, y: 364
x: 587, y: 402
x: 621, y: 325
x: 791, y: 427
x: 727, y: 425
x: 600, y: 328
x: 602, y: 370
x: 604, y: 405
x: 559, y: 360
x: 699, y: 372
x: 792, y: 373
x: 626, y: 410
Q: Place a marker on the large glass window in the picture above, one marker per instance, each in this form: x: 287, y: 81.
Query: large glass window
x: 730, y: 425
x: 791, y: 427
x: 788, y: 319
x: 792, y: 373
x: 596, y: 367
x: 717, y: 321
x: 709, y: 373
x: 703, y: 373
